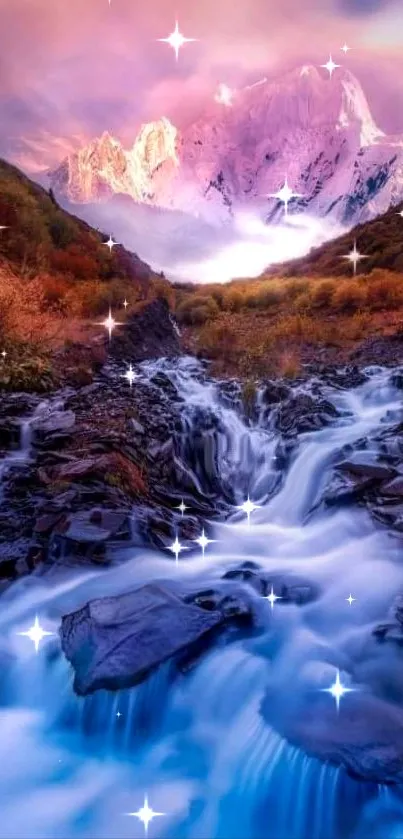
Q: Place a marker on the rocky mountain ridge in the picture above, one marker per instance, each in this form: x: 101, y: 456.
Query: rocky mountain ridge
x: 315, y: 130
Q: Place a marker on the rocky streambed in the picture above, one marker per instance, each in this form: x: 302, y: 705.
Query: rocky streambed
x: 92, y: 483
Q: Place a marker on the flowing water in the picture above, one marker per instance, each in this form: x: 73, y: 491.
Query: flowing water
x: 200, y: 748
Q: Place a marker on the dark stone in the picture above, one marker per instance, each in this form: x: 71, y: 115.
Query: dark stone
x: 365, y: 737
x: 393, y: 488
x: 115, y: 642
x: 301, y: 413
x: 146, y: 334
x: 289, y: 587
x: 366, y: 465
x: 275, y: 392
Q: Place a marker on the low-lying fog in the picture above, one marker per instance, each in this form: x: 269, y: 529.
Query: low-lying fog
x: 189, y: 249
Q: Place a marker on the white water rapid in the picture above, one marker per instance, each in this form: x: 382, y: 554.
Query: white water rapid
x: 200, y: 748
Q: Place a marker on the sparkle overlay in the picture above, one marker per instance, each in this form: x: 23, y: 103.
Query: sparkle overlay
x: 110, y: 323
x: 3, y: 354
x: 272, y: 598
x: 345, y: 49
x: 350, y: 599
x: 145, y: 814
x: 110, y: 243
x: 224, y: 95
x: 203, y: 541
x: 177, y: 548
x: 248, y: 507
x: 330, y: 66
x: 125, y: 303
x: 285, y: 194
x: 182, y: 507
x: 176, y: 40
x: 35, y: 633
x: 354, y: 257
x: 130, y: 375
x: 337, y: 690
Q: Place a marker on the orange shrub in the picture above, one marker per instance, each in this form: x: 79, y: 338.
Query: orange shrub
x: 322, y: 292
x: 349, y: 296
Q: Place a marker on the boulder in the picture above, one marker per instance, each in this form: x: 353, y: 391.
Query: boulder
x: 302, y: 412
x: 114, y: 467
x: 367, y: 465
x: 57, y: 422
x: 148, y: 333
x: 115, y: 642
x: 290, y: 588
x: 365, y: 736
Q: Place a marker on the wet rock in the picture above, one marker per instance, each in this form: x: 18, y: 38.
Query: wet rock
x: 342, y: 489
x: 344, y: 378
x: 113, y: 467
x: 147, y: 334
x: 115, y: 642
x: 393, y: 488
x: 275, y: 392
x: 366, y: 465
x: 396, y: 379
x: 365, y: 737
x: 290, y: 588
x: 390, y: 515
x: 56, y: 423
x: 301, y: 412
x: 10, y: 433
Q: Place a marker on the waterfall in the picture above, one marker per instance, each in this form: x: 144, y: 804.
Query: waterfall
x: 198, y: 743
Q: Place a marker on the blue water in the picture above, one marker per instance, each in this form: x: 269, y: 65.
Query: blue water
x: 198, y: 744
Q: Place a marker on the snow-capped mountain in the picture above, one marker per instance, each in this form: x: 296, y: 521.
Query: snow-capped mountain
x: 314, y: 130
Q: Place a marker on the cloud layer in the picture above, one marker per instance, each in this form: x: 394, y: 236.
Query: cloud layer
x: 70, y: 69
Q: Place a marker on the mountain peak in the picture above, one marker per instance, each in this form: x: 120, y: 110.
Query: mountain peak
x: 316, y: 129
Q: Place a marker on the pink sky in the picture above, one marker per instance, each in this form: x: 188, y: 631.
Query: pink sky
x: 70, y: 69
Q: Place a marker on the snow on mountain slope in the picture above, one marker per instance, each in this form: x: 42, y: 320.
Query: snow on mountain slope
x: 315, y: 130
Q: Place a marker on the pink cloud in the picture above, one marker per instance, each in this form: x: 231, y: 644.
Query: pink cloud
x: 72, y: 69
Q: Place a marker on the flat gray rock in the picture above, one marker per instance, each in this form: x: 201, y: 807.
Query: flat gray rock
x: 115, y: 642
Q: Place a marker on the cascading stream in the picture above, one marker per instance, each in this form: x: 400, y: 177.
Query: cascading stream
x: 199, y: 746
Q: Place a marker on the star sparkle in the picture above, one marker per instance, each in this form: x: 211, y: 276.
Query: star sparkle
x: 125, y: 303
x: 248, y: 507
x: 4, y: 355
x: 177, y: 548
x: 110, y: 323
x: 110, y: 243
x: 400, y: 213
x: 145, y: 814
x: 272, y: 597
x: 130, y: 375
x: 345, y: 49
x: 203, y: 541
x: 35, y: 633
x: 330, y: 66
x: 285, y: 195
x: 350, y: 599
x: 3, y: 227
x: 182, y: 507
x: 337, y: 690
x: 176, y: 40
x: 118, y: 714
x: 224, y: 95
x: 354, y: 257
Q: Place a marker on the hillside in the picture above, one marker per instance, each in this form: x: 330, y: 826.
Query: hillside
x: 57, y: 277
x: 380, y: 239
x: 307, y: 311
